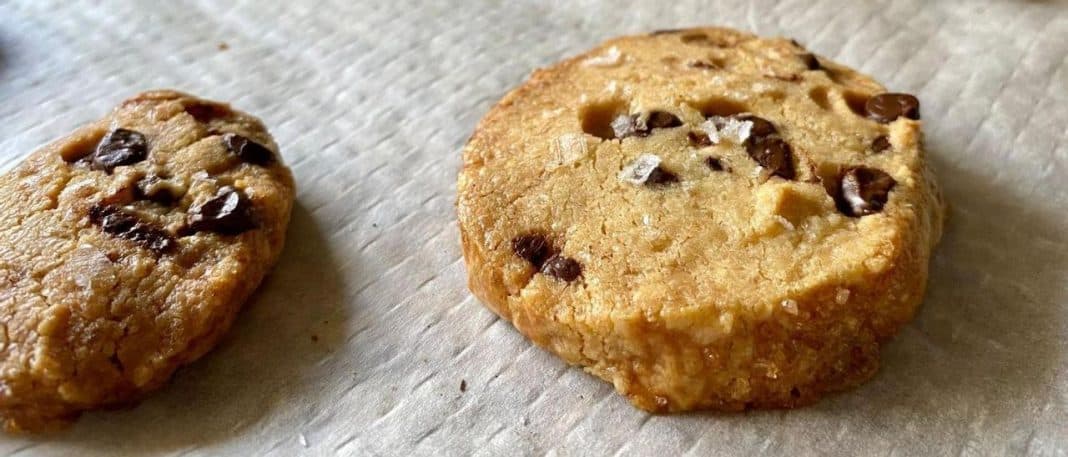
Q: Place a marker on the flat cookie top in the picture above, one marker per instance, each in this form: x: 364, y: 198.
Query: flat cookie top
x: 690, y: 169
x: 124, y: 246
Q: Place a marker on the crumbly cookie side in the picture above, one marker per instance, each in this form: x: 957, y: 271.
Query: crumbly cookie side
x: 126, y: 250
x: 724, y: 274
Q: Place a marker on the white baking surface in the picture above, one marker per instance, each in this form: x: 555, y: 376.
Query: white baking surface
x: 371, y: 102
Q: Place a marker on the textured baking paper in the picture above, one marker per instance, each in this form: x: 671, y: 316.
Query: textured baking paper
x: 360, y: 341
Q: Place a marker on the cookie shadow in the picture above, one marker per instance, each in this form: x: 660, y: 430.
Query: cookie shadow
x: 296, y: 320
x: 985, y: 344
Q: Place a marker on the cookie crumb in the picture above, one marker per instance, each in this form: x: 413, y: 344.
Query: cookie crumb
x: 610, y: 58
x: 463, y: 385
x: 223, y: 46
x: 638, y: 171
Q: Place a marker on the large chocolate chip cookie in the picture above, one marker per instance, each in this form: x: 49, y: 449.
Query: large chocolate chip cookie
x: 704, y: 218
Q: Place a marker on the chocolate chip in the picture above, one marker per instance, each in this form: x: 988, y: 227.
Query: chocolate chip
x: 793, y: 77
x: 702, y: 65
x: 627, y: 125
x: 886, y: 108
x: 863, y: 191
x: 229, y: 212
x: 119, y: 147
x: 662, y: 120
x: 810, y: 60
x: 248, y: 150
x: 149, y: 188
x: 880, y: 144
x: 699, y: 139
x: 563, y: 268
x: 661, y: 177
x: 773, y: 154
x: 205, y: 112
x: 715, y: 164
x: 762, y: 128
x: 114, y: 221
x: 532, y: 247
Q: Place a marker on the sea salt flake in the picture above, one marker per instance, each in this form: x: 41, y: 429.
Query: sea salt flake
x: 638, y: 171
x: 567, y: 149
x: 730, y: 129
x: 790, y: 306
x: 842, y: 296
x: 610, y: 58
x: 785, y: 222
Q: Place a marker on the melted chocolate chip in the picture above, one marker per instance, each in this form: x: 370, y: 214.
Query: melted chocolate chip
x: 762, y: 128
x: 810, y: 60
x: 148, y: 188
x: 880, y: 144
x: 119, y: 147
x: 563, y: 268
x: 662, y: 120
x: 715, y: 164
x: 885, y: 108
x: 532, y: 247
x: 863, y: 191
x: 248, y: 150
x: 205, y: 112
x: 114, y: 221
x: 773, y: 154
x: 229, y: 212
x: 661, y: 177
x: 699, y: 139
x: 627, y: 125
x: 702, y: 65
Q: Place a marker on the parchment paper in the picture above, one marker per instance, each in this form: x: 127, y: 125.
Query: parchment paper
x: 360, y: 341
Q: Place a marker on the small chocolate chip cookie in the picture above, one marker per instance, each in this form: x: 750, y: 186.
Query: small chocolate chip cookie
x: 704, y: 218
x: 126, y: 250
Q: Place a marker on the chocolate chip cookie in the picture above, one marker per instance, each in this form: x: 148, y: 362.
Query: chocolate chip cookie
x: 704, y: 218
x: 126, y: 250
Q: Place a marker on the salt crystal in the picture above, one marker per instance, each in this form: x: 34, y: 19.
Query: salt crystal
x: 610, y: 58
x: 623, y: 125
x: 646, y: 219
x: 842, y: 297
x: 790, y: 306
x: 568, y: 149
x: 785, y: 222
x: 731, y: 129
x: 638, y: 171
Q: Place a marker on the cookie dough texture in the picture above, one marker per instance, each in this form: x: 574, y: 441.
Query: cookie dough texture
x: 104, y: 288
x: 737, y: 275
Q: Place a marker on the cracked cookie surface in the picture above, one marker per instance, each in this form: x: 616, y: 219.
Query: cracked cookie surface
x: 126, y: 250
x: 737, y: 222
